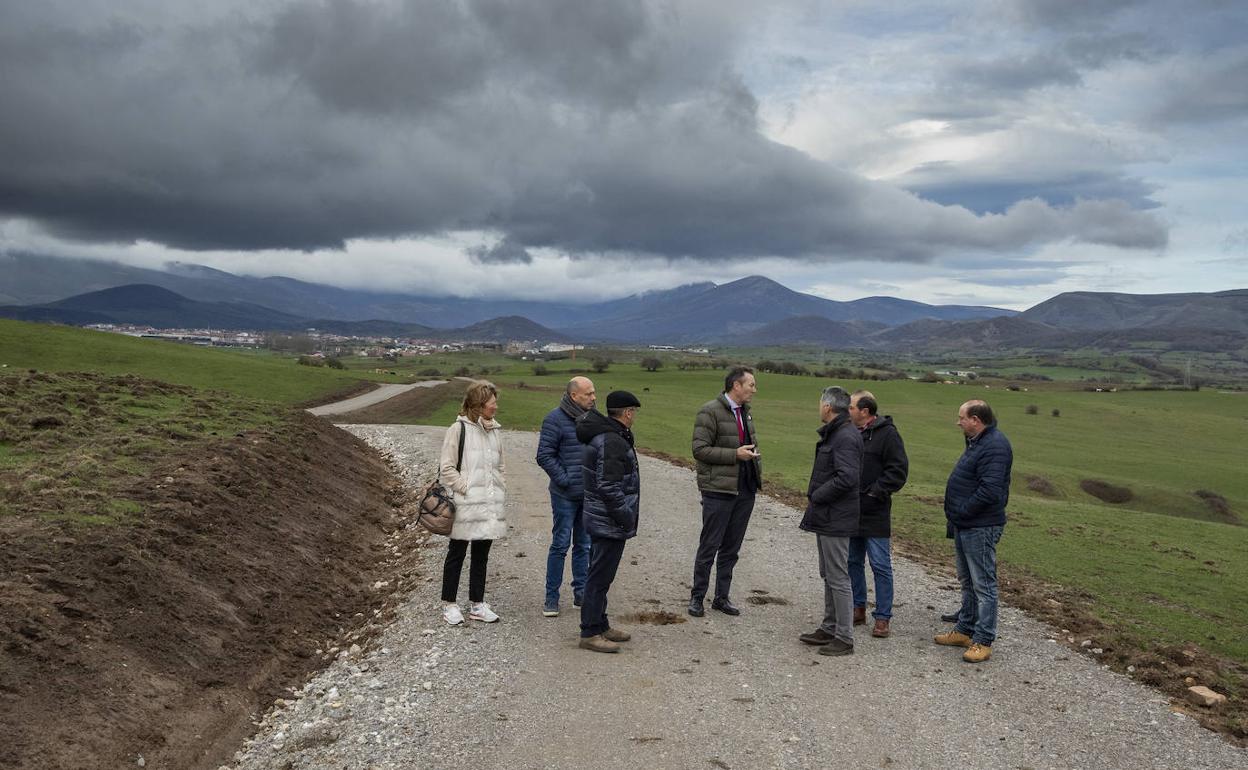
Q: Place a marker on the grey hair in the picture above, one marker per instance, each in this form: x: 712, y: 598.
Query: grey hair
x: 836, y: 397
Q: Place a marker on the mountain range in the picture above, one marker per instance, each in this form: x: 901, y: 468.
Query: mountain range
x: 752, y: 311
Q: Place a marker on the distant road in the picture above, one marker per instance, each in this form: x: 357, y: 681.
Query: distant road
x: 385, y: 392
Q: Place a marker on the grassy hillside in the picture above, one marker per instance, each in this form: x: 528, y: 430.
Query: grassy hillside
x: 1163, y: 566
x: 255, y: 375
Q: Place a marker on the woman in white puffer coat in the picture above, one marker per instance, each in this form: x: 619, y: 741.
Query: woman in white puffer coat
x: 479, y: 494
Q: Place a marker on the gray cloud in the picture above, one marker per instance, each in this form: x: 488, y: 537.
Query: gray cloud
x: 587, y: 128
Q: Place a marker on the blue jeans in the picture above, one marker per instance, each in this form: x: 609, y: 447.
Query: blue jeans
x: 568, y: 530
x: 976, y: 551
x: 875, y: 549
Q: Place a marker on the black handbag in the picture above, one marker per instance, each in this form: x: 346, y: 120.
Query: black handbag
x: 437, y: 503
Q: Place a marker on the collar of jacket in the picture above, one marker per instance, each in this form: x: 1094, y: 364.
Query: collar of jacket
x: 619, y: 428
x: 828, y: 428
x: 982, y: 433
x: 723, y: 400
x: 482, y: 423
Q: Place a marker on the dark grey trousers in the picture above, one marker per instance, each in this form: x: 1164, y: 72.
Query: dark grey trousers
x: 724, y: 521
x: 838, y: 595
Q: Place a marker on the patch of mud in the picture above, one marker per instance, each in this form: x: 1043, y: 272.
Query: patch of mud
x: 653, y: 618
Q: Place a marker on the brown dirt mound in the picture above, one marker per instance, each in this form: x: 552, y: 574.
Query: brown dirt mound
x: 1218, y: 504
x: 1042, y: 485
x: 160, y: 633
x: 411, y: 408
x: 1106, y: 492
x: 653, y: 618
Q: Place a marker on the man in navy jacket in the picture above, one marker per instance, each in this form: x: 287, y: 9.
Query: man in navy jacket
x: 975, y: 498
x: 559, y: 454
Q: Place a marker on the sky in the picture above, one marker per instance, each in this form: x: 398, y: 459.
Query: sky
x: 989, y: 152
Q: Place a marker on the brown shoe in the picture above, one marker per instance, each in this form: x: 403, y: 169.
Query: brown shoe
x: 616, y: 635
x: 860, y: 616
x: 953, y: 639
x: 977, y: 653
x: 881, y: 628
x: 598, y: 644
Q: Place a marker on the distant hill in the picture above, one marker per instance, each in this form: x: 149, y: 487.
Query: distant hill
x: 987, y: 334
x: 722, y: 313
x: 1108, y: 311
x: 153, y: 306
x: 811, y: 330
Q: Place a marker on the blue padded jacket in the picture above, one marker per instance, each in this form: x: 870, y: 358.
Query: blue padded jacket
x: 979, y: 486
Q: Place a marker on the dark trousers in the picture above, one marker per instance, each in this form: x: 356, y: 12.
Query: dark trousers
x: 604, y: 561
x: 454, y: 565
x: 724, y: 520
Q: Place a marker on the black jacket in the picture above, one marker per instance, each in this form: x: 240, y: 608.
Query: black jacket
x: 834, y: 480
x: 611, y: 477
x: 979, y: 486
x: 884, y: 469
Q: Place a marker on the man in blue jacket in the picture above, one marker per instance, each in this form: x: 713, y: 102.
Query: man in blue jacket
x: 559, y: 454
x: 612, y: 506
x: 975, y: 498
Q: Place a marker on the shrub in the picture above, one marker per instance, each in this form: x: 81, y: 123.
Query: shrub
x: 335, y: 363
x: 601, y: 364
x: 310, y: 361
x: 430, y: 372
x: 651, y: 364
x: 1032, y: 409
x: 1106, y: 492
x: 1057, y: 412
x: 540, y: 370
x: 463, y: 371
x: 930, y: 377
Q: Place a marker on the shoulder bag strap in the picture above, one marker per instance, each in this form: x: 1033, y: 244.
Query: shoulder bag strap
x: 463, y: 429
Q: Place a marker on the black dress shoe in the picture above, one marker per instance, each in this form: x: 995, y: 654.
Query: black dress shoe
x: 837, y: 647
x: 695, y: 608
x: 950, y: 617
x: 725, y: 606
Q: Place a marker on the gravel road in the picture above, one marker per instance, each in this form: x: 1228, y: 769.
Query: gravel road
x: 376, y: 396
x: 714, y: 692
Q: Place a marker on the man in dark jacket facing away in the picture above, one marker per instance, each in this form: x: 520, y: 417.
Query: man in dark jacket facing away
x: 612, y: 503
x: 975, y: 498
x: 729, y: 475
x: 559, y: 454
x: 884, y: 469
x: 832, y: 514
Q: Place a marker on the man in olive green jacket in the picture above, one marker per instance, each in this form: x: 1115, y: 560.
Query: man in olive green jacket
x: 729, y: 474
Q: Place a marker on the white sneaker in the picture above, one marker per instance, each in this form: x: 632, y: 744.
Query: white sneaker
x: 452, y: 614
x: 482, y: 612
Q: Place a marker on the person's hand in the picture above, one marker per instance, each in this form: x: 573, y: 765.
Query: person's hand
x: 746, y: 452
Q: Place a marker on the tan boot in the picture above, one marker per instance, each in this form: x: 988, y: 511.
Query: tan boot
x: 977, y: 653
x: 881, y: 628
x: 860, y: 616
x: 616, y: 635
x: 953, y: 639
x: 599, y: 644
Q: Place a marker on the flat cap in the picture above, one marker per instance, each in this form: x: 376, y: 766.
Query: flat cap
x: 621, y: 399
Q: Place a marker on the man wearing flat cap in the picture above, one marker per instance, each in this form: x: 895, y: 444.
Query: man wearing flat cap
x: 612, y: 482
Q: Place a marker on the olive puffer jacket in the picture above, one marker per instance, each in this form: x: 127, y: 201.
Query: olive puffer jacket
x: 611, y: 477
x: 715, y: 444
x: 834, y: 480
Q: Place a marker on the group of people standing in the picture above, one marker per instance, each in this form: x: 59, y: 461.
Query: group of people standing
x: 859, y: 463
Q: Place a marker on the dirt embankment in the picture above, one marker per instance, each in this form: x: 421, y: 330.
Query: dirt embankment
x: 220, y: 572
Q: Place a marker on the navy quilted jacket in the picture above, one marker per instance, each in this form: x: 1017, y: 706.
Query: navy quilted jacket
x: 979, y: 486
x: 559, y: 454
x: 612, y: 477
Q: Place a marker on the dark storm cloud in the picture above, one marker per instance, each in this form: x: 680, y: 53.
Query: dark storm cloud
x: 578, y: 126
x: 506, y: 251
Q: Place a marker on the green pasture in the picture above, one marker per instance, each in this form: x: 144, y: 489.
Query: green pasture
x: 1161, y: 565
x: 255, y: 374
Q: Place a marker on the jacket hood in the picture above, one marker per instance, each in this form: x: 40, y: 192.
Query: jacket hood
x: 594, y: 423
x: 880, y: 421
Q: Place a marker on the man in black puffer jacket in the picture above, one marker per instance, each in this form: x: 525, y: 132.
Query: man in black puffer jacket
x: 612, y: 482
x: 884, y: 470
x: 975, y: 498
x: 832, y: 514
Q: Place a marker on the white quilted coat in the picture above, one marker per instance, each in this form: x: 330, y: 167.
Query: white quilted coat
x: 478, y: 486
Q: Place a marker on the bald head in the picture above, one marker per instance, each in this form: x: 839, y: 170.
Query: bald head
x: 581, y: 390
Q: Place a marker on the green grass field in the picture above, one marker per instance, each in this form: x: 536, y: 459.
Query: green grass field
x: 246, y: 373
x: 1157, y: 566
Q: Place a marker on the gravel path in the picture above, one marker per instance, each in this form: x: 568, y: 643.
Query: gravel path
x: 382, y: 393
x: 715, y: 692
